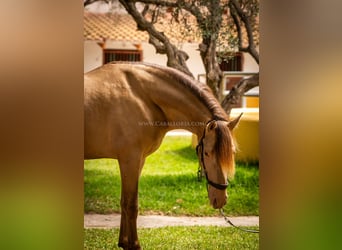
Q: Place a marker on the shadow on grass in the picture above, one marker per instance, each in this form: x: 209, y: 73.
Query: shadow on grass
x: 249, y: 164
x: 187, y: 153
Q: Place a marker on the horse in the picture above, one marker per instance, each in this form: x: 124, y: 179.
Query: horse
x: 129, y: 107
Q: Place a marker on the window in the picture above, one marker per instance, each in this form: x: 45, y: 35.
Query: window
x: 231, y: 62
x: 110, y: 55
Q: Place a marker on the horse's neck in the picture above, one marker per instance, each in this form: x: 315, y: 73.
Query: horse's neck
x: 181, y: 107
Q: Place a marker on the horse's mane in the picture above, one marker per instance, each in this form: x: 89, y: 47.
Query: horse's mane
x: 223, y: 148
x: 202, y: 91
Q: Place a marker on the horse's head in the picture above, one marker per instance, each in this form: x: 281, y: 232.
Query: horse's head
x: 216, y: 154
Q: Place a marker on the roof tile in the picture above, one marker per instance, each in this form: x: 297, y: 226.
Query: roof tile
x: 121, y: 27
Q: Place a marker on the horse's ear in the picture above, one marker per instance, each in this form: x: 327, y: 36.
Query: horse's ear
x: 212, y: 125
x: 232, y: 124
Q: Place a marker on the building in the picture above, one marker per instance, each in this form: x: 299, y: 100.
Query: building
x: 108, y: 34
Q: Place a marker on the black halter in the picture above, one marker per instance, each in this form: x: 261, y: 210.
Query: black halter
x: 200, y: 145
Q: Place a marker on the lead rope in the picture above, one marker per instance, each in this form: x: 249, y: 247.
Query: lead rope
x: 240, y: 228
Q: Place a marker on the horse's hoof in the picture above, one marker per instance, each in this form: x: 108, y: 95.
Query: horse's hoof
x: 125, y: 246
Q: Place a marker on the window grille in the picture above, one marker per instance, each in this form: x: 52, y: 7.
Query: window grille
x: 110, y: 55
x: 231, y: 62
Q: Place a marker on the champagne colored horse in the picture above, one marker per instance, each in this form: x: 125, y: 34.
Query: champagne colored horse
x: 129, y: 107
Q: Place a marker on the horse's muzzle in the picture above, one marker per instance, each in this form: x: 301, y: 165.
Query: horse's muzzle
x: 218, y: 198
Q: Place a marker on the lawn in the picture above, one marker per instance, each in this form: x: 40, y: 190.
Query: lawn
x: 176, y: 238
x: 169, y: 185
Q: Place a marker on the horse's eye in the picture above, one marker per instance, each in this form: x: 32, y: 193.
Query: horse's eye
x: 206, y: 153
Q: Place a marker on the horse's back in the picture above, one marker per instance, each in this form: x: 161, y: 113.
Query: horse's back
x: 115, y: 109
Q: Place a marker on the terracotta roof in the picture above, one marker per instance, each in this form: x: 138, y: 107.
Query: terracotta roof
x: 121, y: 27
x: 112, y: 27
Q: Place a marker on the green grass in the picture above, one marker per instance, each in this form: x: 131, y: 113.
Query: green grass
x: 169, y: 185
x: 176, y: 238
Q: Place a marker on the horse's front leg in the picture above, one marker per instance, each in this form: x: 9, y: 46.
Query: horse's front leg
x: 130, y: 171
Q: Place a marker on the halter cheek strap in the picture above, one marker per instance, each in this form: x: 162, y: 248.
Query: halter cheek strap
x: 209, y: 182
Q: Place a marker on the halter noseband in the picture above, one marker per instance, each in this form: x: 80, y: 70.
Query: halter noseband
x: 209, y: 182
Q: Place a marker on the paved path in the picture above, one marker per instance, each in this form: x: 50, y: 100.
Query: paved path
x: 153, y: 221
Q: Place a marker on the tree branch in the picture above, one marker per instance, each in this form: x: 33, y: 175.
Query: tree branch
x: 237, y: 25
x: 160, y: 3
x: 236, y: 93
x: 235, y: 8
x: 160, y: 48
x: 190, y: 7
x: 88, y: 2
x: 175, y: 58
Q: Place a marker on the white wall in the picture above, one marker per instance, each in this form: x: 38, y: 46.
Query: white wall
x: 93, y: 56
x: 250, y: 64
x: 150, y: 56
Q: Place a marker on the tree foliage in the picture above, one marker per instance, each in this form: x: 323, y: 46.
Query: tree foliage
x: 222, y: 27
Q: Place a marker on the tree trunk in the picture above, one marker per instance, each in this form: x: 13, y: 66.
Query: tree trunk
x: 213, y: 72
x: 210, y: 27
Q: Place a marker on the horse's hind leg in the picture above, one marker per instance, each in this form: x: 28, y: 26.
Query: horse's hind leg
x: 130, y: 168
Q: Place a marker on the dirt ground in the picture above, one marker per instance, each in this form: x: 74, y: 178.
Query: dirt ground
x: 153, y: 221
